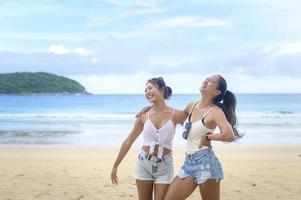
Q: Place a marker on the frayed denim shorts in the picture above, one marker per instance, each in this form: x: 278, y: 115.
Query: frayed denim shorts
x: 202, y: 165
x: 148, y: 167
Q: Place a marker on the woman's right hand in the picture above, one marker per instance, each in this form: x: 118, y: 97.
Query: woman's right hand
x: 114, y: 177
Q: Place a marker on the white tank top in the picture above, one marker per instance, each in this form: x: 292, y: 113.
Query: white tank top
x: 196, y: 132
x: 162, y: 136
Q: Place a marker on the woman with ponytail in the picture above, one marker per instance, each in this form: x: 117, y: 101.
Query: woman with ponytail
x: 154, y: 165
x: 216, y: 108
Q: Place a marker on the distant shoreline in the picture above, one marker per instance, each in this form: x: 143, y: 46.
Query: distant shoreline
x: 103, y: 94
x: 44, y: 94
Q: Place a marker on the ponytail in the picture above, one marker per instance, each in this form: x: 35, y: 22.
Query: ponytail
x: 226, y: 100
x: 229, y: 102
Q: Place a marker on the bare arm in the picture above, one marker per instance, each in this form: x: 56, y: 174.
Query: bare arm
x: 227, y: 133
x: 126, y: 145
x: 188, y: 108
x: 182, y: 115
x: 179, y: 117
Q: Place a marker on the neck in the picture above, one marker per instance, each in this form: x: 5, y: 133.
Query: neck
x: 205, y: 102
x: 159, y: 106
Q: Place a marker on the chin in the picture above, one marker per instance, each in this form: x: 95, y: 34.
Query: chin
x: 151, y: 100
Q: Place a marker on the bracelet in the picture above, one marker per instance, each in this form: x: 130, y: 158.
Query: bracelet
x: 207, y: 138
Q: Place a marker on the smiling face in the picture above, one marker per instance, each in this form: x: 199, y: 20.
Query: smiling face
x: 153, y: 93
x: 210, y: 86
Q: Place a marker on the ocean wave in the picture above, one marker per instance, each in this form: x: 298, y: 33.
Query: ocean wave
x: 83, y: 120
x: 270, y: 125
x: 108, y: 116
x: 66, y: 115
x: 259, y: 114
x: 37, y: 133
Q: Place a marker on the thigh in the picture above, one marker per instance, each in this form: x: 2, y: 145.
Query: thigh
x: 180, y: 188
x: 145, y: 189
x: 160, y: 191
x: 210, y: 190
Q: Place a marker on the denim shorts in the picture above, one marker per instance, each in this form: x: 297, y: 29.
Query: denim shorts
x: 202, y: 165
x: 151, y: 168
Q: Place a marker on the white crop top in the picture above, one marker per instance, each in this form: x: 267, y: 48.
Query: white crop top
x: 162, y: 136
x: 196, y: 132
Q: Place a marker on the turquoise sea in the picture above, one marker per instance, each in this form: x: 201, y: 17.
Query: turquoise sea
x: 105, y: 120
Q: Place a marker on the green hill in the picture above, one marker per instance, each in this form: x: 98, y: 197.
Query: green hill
x: 38, y: 83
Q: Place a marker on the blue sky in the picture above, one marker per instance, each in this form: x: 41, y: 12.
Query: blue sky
x: 114, y: 46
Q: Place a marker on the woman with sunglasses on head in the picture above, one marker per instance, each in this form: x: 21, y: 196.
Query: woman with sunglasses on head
x: 216, y: 108
x: 154, y: 166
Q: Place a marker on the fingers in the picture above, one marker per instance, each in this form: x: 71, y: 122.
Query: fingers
x: 201, y: 144
x: 114, y: 180
x: 114, y: 177
x: 144, y: 110
x: 204, y: 142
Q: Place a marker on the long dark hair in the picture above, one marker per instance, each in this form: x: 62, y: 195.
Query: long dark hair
x: 226, y: 100
x: 160, y: 84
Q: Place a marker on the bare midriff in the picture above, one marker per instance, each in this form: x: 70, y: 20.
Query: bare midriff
x: 165, y: 151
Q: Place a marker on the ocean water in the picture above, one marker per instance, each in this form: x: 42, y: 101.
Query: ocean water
x: 106, y: 120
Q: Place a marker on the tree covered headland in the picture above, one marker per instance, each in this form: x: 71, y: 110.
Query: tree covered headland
x: 38, y: 83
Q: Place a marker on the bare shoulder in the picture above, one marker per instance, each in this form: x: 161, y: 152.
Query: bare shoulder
x: 217, y: 112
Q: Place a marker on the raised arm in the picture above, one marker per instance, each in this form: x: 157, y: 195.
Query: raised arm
x: 227, y: 133
x: 181, y: 115
x: 126, y: 145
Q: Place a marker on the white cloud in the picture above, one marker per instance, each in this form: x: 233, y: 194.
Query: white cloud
x: 163, y: 27
x: 268, y: 60
x: 135, y: 83
x: 39, y: 36
x: 237, y: 83
x: 96, y: 21
x: 130, y: 3
x: 113, y: 83
x: 26, y: 9
x: 189, y: 21
x: 59, y: 49
x: 283, y: 48
x: 242, y: 83
x: 81, y: 51
x: 62, y: 60
x: 95, y: 60
x: 280, y: 3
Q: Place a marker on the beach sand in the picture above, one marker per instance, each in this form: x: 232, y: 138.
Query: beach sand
x: 259, y: 173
